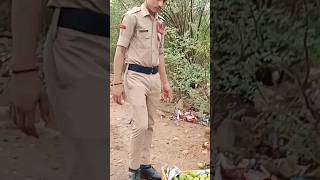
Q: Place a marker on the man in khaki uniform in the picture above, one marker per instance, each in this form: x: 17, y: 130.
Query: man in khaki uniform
x: 140, y: 47
x: 76, y: 69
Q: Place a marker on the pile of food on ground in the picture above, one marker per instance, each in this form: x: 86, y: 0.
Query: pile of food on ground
x: 174, y: 173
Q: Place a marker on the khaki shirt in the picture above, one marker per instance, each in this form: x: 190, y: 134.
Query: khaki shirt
x: 143, y: 36
x: 100, y: 6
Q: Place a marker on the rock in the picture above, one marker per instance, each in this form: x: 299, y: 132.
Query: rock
x: 244, y: 163
x: 270, y: 166
x: 255, y: 175
x: 233, y: 174
x: 200, y: 165
x: 288, y: 168
x: 119, y: 161
x: 225, y: 136
x: 185, y: 152
x: 205, y: 145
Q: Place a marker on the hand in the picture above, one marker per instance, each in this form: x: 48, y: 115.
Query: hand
x: 26, y: 93
x: 167, y: 93
x: 118, y: 94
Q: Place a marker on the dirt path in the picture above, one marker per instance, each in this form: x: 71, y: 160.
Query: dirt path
x: 174, y: 143
x: 25, y: 158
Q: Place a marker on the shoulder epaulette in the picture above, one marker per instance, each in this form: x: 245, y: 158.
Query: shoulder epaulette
x: 133, y: 10
x: 162, y: 18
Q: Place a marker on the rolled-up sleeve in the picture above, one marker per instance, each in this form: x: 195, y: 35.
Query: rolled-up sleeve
x: 126, y: 30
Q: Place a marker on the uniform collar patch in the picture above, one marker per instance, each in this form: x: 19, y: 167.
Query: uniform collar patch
x: 160, y: 27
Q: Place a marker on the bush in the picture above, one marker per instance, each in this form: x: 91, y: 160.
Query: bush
x: 250, y: 35
x: 5, y: 7
x: 183, y: 70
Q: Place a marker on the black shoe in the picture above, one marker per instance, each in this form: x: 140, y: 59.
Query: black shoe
x: 134, y: 174
x: 148, y: 172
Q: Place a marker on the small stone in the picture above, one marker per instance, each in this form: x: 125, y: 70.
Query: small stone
x: 185, y: 152
x: 205, y: 145
x: 120, y: 161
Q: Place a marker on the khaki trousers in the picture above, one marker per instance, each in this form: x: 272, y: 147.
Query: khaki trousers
x: 143, y: 94
x: 75, y: 67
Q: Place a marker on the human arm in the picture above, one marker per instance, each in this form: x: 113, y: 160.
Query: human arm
x: 118, y: 90
x: 166, y: 90
x: 126, y: 32
x: 26, y: 88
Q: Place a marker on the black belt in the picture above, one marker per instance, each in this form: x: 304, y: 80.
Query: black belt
x: 85, y: 21
x: 142, y: 69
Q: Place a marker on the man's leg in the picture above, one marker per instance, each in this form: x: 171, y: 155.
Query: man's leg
x: 153, y: 100
x: 76, y: 76
x: 83, y: 158
x: 139, y: 125
x: 135, y: 90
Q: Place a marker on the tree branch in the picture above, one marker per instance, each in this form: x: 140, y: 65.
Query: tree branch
x: 315, y: 114
x: 305, y: 44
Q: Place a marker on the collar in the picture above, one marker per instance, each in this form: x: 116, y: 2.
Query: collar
x: 145, y: 11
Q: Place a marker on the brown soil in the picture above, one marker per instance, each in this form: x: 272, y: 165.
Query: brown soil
x: 27, y: 158
x: 174, y: 143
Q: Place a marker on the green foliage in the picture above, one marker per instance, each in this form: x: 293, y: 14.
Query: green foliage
x: 116, y: 12
x: 187, y: 50
x: 247, y: 36
x: 5, y: 6
x: 181, y: 57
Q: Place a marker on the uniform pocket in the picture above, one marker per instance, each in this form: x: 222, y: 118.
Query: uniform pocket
x: 133, y: 79
x: 158, y: 83
x: 144, y: 37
